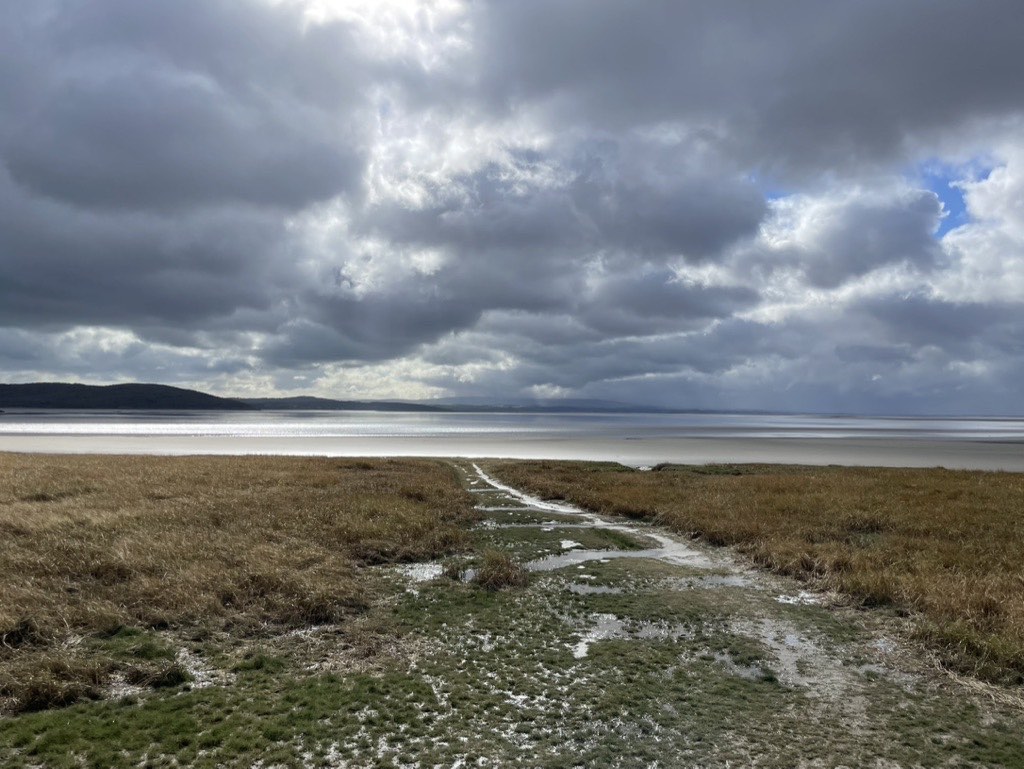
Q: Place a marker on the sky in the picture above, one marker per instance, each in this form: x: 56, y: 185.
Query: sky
x: 717, y: 204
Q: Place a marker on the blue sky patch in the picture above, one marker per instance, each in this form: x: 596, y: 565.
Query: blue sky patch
x: 941, y: 178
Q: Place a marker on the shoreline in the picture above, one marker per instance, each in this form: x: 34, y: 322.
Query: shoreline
x: 952, y: 454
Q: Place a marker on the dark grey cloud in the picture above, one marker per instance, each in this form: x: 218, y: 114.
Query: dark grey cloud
x: 590, y: 245
x: 487, y: 209
x: 733, y: 363
x: 835, y: 239
x: 653, y: 199
x: 869, y: 234
x: 138, y: 105
x: 653, y: 302
x: 874, y: 353
x: 150, y: 155
x: 642, y: 198
x: 799, y: 86
x: 19, y: 349
x: 375, y: 328
x: 920, y: 320
x: 587, y: 364
x: 65, y: 266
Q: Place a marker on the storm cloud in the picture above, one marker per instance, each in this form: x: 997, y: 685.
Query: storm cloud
x: 715, y: 204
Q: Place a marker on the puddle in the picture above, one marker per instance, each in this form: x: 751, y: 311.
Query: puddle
x: 420, y: 572
x: 119, y: 688
x: 884, y: 646
x: 202, y: 674
x: 543, y: 526
x: 659, y: 631
x: 749, y: 672
x: 803, y: 598
x: 721, y: 580
x: 799, y: 660
x: 605, y: 627
x: 708, y: 582
x: 681, y: 557
x: 668, y: 549
x: 526, y: 499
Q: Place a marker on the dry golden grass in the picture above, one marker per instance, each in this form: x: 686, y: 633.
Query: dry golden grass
x: 499, y: 571
x: 947, y: 545
x: 92, y: 544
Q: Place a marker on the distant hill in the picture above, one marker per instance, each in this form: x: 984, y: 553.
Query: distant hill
x: 59, y: 395
x: 311, y: 403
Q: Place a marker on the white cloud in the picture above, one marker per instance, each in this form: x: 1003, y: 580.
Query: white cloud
x: 988, y: 252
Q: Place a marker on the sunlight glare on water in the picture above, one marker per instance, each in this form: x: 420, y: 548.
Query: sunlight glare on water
x: 632, y: 438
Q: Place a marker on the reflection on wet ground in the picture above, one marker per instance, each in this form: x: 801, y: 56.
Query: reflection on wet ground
x: 669, y: 549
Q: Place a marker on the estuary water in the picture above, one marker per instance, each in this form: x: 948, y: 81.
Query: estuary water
x: 631, y: 438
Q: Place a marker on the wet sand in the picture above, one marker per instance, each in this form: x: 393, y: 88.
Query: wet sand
x: 635, y: 450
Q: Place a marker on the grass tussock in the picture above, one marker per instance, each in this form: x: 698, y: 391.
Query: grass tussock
x: 946, y: 545
x: 43, y: 679
x: 499, y: 571
x: 96, y: 545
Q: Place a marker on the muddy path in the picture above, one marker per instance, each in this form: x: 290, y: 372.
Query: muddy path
x: 646, y: 649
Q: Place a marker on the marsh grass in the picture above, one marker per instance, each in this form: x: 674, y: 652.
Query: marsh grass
x: 945, y: 545
x: 96, y: 545
x: 455, y: 569
x: 500, y: 571
x: 455, y: 674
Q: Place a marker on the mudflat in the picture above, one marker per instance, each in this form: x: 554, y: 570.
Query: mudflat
x: 638, y: 451
x: 258, y: 611
x: 635, y: 439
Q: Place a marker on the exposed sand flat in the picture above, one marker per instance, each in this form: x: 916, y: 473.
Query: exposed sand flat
x: 636, y: 450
